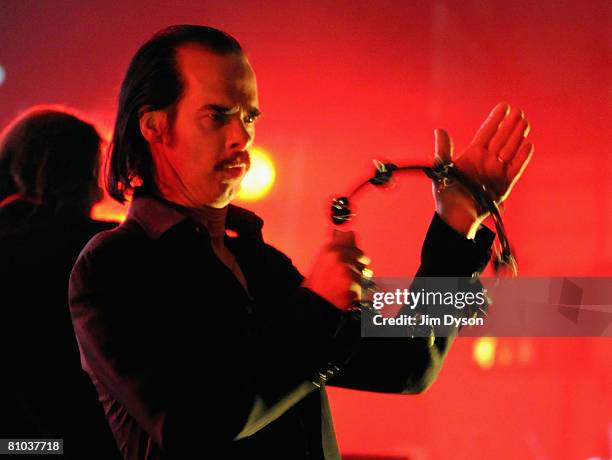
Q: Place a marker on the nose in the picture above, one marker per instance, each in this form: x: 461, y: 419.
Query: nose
x: 240, y: 135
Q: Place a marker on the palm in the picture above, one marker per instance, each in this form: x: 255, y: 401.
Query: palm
x: 498, y: 154
x: 474, y: 163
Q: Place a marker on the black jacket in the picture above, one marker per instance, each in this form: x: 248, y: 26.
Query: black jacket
x: 188, y: 363
x: 44, y: 393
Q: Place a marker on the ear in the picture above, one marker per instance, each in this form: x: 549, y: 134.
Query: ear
x: 153, y: 125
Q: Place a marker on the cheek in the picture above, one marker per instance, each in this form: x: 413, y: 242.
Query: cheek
x: 198, y: 150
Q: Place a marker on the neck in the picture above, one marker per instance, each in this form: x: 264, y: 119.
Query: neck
x: 211, y: 218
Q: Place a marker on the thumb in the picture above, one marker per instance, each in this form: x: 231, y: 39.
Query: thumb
x: 443, y: 147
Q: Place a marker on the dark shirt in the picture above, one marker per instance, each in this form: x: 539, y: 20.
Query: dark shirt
x: 44, y: 393
x: 187, y: 362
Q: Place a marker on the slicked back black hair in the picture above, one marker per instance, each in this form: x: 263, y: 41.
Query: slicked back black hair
x: 152, y: 82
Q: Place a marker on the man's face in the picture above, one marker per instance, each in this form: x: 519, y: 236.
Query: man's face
x: 204, y: 156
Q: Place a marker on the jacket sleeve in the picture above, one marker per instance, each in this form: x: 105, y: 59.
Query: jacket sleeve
x: 237, y: 384
x: 410, y: 365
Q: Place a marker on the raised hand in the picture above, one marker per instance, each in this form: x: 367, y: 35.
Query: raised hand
x: 496, y: 158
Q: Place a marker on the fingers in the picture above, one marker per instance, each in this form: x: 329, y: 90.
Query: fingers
x: 341, y: 238
x: 343, y: 243
x: 355, y: 292
x: 505, y: 130
x: 349, y: 275
x: 364, y: 260
x: 488, y: 129
x: 349, y: 255
x: 519, y: 163
x: 337, y: 273
x: 443, y: 147
x: 509, y: 150
x: 353, y: 257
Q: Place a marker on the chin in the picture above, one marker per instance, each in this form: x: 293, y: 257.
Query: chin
x: 224, y: 198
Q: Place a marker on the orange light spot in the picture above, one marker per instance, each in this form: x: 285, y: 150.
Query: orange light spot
x: 484, y: 352
x: 260, y: 178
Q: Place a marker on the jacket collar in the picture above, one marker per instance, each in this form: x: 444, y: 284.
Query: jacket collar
x: 156, y: 216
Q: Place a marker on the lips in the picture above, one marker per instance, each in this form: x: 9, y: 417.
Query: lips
x: 235, y: 164
x: 238, y: 164
x: 234, y: 172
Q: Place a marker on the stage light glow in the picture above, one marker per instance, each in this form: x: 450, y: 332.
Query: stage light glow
x: 108, y: 212
x: 260, y: 178
x: 484, y: 352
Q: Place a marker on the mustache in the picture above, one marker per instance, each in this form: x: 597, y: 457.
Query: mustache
x: 238, y: 157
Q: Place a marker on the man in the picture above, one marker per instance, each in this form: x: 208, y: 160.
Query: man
x: 200, y: 343
x: 49, y: 162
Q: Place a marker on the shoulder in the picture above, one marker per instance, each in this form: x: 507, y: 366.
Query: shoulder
x: 81, y: 230
x: 113, y: 248
x: 110, y: 262
x: 98, y: 226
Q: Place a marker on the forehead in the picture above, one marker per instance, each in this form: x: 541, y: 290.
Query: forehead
x: 214, y: 78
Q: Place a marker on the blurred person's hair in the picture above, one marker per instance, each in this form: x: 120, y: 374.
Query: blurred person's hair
x: 51, y: 156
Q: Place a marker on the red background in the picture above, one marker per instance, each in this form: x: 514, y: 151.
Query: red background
x: 344, y: 82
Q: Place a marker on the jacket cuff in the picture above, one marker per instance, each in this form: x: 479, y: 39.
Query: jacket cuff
x: 446, y: 252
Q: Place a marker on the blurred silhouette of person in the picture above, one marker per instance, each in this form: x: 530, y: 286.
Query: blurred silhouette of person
x: 49, y: 161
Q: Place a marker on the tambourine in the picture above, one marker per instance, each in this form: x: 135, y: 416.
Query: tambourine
x: 445, y: 174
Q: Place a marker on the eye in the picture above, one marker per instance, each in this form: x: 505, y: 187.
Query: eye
x: 251, y: 117
x: 217, y: 117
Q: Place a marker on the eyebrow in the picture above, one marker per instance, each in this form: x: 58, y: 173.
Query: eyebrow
x: 253, y: 111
